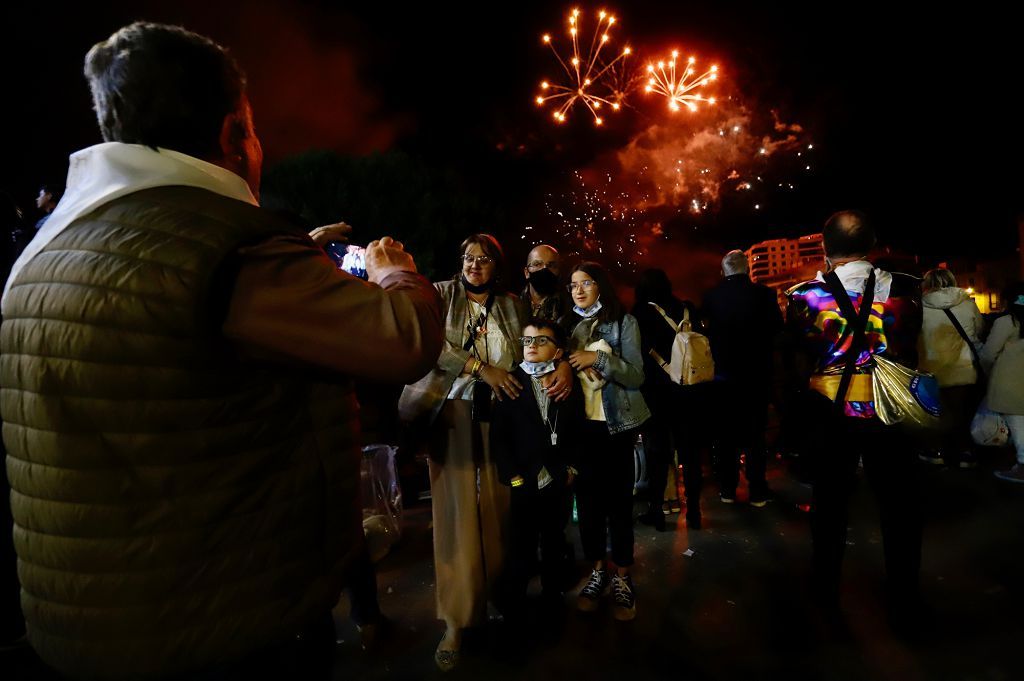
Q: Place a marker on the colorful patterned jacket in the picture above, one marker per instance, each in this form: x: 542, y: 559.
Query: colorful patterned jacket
x: 824, y: 336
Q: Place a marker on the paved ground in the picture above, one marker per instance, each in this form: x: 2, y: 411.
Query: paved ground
x: 737, y: 607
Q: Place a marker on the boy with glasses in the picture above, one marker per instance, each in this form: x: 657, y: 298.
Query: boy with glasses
x: 535, y: 441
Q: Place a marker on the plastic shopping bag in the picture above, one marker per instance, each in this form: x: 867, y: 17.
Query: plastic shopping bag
x: 382, y: 499
x: 988, y: 428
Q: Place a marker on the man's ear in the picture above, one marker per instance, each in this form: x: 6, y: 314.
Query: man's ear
x: 558, y: 353
x: 232, y: 136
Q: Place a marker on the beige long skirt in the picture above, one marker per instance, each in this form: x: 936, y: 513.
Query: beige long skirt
x: 470, y: 508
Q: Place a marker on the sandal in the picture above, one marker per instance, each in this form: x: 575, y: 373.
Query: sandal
x: 446, y: 660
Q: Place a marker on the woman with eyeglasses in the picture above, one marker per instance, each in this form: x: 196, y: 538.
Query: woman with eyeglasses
x: 606, y: 353
x: 470, y: 505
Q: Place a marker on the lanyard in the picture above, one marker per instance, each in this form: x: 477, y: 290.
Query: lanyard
x: 552, y: 425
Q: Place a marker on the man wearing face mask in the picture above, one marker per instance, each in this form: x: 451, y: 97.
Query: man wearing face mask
x: 542, y: 294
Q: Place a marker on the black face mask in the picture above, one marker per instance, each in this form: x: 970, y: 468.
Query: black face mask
x: 473, y: 288
x: 544, y: 282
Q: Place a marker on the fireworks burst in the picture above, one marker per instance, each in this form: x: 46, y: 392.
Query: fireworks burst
x: 596, y: 218
x: 630, y: 204
x: 584, y: 70
x: 678, y: 87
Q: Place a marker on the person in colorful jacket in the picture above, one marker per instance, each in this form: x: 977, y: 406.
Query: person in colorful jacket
x: 843, y: 431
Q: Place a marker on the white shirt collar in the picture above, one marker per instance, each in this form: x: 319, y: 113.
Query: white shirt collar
x: 854, y: 276
x: 104, y: 172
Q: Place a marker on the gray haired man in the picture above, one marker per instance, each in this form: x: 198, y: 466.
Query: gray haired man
x: 178, y: 410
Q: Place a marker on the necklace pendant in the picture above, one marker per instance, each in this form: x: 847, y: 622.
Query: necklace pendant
x: 554, y: 439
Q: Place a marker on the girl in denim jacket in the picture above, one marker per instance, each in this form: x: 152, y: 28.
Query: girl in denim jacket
x: 606, y: 352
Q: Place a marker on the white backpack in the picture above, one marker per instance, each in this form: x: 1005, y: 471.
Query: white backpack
x: 691, y: 361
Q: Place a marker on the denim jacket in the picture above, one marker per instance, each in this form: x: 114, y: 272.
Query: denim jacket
x: 624, y: 406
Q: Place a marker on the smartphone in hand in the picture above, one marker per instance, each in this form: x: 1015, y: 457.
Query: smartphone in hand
x: 348, y: 257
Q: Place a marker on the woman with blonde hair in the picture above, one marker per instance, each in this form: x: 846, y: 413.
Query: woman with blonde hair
x: 948, y: 347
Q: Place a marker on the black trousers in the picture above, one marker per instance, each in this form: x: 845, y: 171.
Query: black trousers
x: 604, y: 493
x: 742, y: 417
x: 959, y: 404
x: 892, y: 474
x: 536, y: 517
x: 680, y: 422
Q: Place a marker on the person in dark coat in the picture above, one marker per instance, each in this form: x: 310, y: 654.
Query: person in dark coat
x: 742, y: 321
x: 679, y: 414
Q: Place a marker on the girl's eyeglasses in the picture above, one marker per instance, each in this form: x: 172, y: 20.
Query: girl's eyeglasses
x: 586, y: 285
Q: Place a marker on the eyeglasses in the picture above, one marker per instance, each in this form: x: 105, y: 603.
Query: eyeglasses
x: 477, y: 259
x: 539, y: 341
x: 586, y: 285
x: 540, y: 264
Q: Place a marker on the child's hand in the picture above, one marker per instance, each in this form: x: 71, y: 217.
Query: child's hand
x: 582, y: 359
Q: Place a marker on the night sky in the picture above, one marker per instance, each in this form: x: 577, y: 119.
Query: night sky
x: 913, y: 116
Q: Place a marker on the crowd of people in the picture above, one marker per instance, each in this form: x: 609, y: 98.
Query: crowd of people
x: 182, y: 433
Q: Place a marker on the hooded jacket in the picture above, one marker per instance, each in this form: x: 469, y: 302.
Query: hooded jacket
x: 942, y: 351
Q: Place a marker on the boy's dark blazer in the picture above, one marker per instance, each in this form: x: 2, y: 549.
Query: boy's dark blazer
x: 521, y: 441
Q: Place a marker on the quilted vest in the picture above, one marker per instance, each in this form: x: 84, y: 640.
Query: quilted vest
x: 174, y: 506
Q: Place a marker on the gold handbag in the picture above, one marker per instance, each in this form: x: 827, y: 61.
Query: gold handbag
x: 903, y: 395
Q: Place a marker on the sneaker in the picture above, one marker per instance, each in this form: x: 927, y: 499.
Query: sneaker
x: 933, y: 457
x: 968, y: 459
x: 760, y: 499
x: 728, y: 498
x: 592, y: 590
x: 625, y: 598
x: 1013, y: 474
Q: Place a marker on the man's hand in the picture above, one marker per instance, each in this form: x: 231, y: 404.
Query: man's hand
x: 339, y: 231
x: 501, y: 382
x: 561, y: 384
x: 385, y: 257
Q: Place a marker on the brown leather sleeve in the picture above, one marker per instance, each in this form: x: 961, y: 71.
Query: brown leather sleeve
x: 290, y: 303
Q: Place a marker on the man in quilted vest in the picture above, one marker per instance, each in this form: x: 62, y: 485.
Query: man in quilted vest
x: 841, y: 432
x: 177, y: 403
